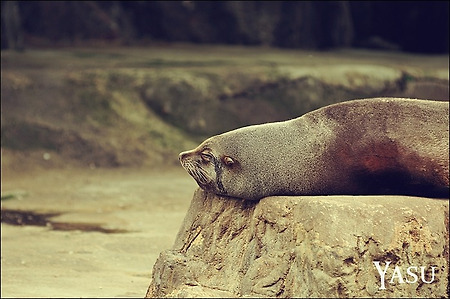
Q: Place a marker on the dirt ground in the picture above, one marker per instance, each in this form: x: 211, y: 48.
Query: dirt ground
x: 139, y: 209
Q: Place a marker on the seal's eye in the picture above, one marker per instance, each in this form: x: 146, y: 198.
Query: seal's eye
x: 228, y: 161
x: 206, y: 157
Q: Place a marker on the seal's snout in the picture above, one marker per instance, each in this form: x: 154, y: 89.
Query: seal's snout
x: 182, y: 156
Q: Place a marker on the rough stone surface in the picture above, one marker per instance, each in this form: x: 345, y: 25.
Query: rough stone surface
x: 307, y: 246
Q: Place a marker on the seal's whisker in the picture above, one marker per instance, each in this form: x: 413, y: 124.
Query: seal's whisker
x: 197, y: 172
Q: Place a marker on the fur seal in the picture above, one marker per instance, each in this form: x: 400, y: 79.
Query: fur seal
x: 394, y: 146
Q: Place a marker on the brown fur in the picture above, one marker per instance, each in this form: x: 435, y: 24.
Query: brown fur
x: 370, y: 146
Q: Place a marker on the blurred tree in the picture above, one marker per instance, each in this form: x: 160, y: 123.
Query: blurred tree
x: 12, y: 35
x: 419, y: 26
x: 315, y: 25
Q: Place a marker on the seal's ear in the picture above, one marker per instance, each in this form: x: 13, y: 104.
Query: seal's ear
x: 228, y: 161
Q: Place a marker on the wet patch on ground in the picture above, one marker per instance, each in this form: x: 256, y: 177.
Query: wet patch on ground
x: 22, y: 218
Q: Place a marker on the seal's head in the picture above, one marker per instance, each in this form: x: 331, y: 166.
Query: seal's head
x: 239, y: 163
x: 207, y: 167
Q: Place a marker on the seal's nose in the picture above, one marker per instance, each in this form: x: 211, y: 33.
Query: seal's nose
x: 182, y: 155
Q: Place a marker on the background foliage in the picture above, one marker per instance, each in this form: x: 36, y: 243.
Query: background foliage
x: 415, y: 26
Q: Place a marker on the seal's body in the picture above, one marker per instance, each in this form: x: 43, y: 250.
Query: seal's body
x: 359, y: 147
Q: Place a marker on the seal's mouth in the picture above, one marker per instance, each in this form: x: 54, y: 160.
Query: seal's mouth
x: 198, y: 173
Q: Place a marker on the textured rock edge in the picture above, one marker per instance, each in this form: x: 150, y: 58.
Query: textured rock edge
x: 306, y: 246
